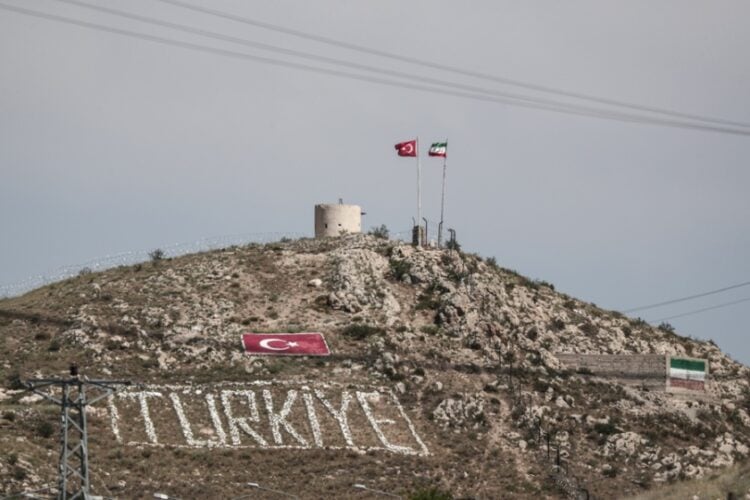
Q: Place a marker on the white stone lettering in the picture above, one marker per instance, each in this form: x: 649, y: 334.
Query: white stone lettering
x: 187, y: 429
x: 363, y: 398
x: 142, y: 397
x: 229, y: 415
x: 279, y: 419
x: 216, y: 420
x: 241, y: 423
x: 312, y: 417
x: 114, y: 417
x: 409, y: 424
x: 339, y: 415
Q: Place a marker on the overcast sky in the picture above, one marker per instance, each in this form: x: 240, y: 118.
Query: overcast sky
x: 110, y: 144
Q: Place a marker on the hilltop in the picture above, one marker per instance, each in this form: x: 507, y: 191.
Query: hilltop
x: 447, y: 372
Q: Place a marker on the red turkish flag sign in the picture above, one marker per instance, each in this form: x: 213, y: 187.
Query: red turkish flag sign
x: 285, y: 344
x: 408, y: 148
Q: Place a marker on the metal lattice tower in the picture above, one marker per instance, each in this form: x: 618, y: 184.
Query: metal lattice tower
x: 73, y: 481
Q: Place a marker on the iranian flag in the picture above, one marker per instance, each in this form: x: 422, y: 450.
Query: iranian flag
x: 439, y: 149
x: 687, y: 373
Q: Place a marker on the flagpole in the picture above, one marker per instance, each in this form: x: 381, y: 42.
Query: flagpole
x: 419, y: 199
x: 442, y: 197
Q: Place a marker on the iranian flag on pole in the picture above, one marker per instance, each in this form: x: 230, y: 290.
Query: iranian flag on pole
x: 687, y: 373
x: 438, y: 149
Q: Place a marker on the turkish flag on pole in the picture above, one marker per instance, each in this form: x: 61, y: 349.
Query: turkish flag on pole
x: 285, y: 344
x: 408, y: 148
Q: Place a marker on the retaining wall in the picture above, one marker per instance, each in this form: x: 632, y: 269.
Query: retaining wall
x: 635, y: 369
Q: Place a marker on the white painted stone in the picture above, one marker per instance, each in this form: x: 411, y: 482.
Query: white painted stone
x: 236, y: 421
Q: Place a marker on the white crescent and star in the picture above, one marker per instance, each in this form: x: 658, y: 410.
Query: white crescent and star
x: 408, y: 148
x: 266, y: 344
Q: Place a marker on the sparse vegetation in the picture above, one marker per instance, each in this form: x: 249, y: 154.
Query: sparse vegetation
x: 544, y: 284
x: 180, y: 323
x: 41, y: 335
x: 400, y: 268
x: 45, y: 429
x: 665, y: 327
x: 380, y: 232
x: 14, y: 382
x: 433, y: 493
x: 453, y: 245
x: 429, y: 329
x: 156, y: 255
x: 19, y: 474
x: 606, y: 429
x: 430, y: 297
x: 589, y: 329
x: 362, y: 331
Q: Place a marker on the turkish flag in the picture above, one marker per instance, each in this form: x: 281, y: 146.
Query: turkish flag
x: 285, y: 344
x: 408, y: 148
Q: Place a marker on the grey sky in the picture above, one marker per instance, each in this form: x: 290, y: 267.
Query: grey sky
x: 110, y: 144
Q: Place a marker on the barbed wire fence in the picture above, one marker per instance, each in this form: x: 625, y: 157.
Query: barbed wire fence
x: 132, y: 257
x: 137, y: 256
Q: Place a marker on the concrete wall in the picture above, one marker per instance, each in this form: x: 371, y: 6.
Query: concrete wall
x: 636, y: 369
x: 332, y: 220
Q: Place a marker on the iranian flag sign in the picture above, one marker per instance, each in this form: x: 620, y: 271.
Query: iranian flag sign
x: 438, y: 149
x: 285, y: 344
x: 687, y: 373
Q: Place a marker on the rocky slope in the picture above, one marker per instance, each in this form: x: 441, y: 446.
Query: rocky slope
x: 443, y: 375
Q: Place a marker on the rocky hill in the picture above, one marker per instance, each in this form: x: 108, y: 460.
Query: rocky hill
x: 448, y: 374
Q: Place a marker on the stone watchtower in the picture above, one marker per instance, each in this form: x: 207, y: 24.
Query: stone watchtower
x: 335, y: 219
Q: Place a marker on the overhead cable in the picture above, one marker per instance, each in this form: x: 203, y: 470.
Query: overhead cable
x: 449, y: 68
x: 689, y: 297
x: 698, y: 311
x: 534, y: 104
x: 558, y: 105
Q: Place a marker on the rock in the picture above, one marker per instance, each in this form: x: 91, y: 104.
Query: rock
x: 30, y: 399
x: 315, y: 283
x: 561, y: 403
x: 464, y: 411
x: 625, y: 443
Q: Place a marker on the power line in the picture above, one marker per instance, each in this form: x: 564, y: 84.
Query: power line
x: 449, y: 68
x: 689, y: 297
x: 698, y: 311
x: 533, y: 104
x: 558, y: 105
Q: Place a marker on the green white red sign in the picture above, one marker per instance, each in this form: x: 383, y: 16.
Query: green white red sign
x: 688, y: 373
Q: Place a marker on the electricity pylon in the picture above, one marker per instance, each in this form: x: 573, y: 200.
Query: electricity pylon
x: 73, y: 481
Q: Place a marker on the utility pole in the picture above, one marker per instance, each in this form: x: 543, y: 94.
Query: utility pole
x: 74, y: 481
